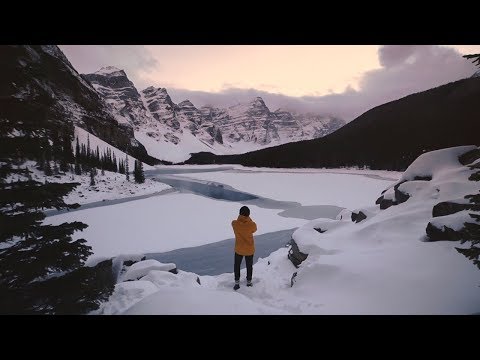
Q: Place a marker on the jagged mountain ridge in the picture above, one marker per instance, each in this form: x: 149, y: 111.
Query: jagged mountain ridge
x: 158, y: 120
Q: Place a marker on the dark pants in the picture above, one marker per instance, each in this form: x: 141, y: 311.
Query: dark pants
x: 238, y: 262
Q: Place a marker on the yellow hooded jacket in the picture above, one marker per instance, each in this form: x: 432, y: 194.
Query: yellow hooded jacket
x: 244, y: 227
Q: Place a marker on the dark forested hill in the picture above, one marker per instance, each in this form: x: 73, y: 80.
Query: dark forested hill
x: 389, y: 136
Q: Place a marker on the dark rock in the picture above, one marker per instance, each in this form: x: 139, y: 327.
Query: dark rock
x: 475, y: 176
x: 295, y: 255
x: 198, y: 281
x: 384, y: 203
x: 423, y: 178
x: 173, y: 271
x: 320, y: 230
x: 474, y: 199
x: 400, y: 196
x: 469, y: 231
x: 475, y: 217
x: 448, y: 208
x: 469, y: 157
x: 131, y: 262
x: 358, y: 217
x: 292, y: 280
x: 445, y: 233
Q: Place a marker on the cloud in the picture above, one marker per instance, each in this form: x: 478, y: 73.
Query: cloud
x: 406, y: 69
x: 136, y: 60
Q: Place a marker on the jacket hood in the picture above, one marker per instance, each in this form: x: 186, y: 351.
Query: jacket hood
x: 243, y: 218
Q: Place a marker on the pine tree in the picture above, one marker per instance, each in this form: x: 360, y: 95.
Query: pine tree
x: 475, y: 57
x: 55, y: 168
x: 31, y: 251
x: 77, y: 149
x: 41, y: 162
x: 92, y: 177
x: 89, y: 155
x: 97, y: 158
x: 78, y: 169
x: 115, y: 168
x: 48, y: 169
x: 66, y: 156
x: 28, y: 173
x: 141, y: 173
x: 138, y: 174
x: 127, y: 171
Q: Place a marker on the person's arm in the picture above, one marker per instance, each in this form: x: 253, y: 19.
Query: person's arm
x: 254, y: 226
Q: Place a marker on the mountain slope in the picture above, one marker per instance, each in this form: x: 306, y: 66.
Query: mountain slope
x: 389, y: 136
x: 38, y: 81
x: 172, y: 131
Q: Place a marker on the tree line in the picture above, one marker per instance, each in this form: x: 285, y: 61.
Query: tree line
x: 42, y: 267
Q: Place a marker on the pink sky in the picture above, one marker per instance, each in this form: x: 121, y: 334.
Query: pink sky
x: 295, y: 71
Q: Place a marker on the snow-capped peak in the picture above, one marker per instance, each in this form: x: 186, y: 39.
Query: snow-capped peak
x: 258, y: 101
x: 186, y: 103
x: 110, y: 70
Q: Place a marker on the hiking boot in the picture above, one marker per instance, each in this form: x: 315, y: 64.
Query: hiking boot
x: 249, y: 283
x: 237, y: 285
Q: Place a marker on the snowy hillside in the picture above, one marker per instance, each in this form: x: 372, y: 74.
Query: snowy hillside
x: 376, y: 259
x: 110, y: 186
x: 84, y: 137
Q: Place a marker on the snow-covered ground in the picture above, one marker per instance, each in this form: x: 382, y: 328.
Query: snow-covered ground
x: 107, y: 187
x: 382, y: 265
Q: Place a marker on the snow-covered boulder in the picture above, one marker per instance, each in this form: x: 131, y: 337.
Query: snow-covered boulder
x: 165, y: 278
x: 344, y: 215
x: 454, y: 227
x: 121, y: 262
x: 308, y: 237
x: 142, y: 268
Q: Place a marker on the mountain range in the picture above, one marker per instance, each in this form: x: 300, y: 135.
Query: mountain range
x: 389, y: 136
x: 172, y: 131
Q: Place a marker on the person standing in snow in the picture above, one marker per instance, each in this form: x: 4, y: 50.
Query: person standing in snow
x: 244, y: 227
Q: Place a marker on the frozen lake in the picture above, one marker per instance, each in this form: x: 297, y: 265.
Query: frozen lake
x: 199, y: 208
